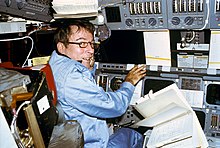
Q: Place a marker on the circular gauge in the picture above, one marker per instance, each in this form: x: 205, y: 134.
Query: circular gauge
x: 175, y: 21
x: 152, y: 21
x: 129, y: 22
x: 189, y: 20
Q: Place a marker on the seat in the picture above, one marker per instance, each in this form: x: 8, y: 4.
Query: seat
x: 42, y: 107
x: 43, y: 114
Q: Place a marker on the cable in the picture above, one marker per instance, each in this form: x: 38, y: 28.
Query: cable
x: 32, y: 44
x: 192, y: 37
x: 207, y: 16
x: 13, y: 125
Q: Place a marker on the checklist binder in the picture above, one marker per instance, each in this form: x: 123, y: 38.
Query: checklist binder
x: 174, y: 122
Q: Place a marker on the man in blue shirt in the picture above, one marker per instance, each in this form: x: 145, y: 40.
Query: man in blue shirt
x: 79, y: 95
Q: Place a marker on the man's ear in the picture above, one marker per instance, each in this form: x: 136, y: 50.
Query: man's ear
x: 61, y: 47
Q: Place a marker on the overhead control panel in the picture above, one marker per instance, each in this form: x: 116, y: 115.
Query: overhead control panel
x: 214, y: 14
x: 161, y: 14
x: 188, y: 14
x: 134, y: 15
x: 39, y: 10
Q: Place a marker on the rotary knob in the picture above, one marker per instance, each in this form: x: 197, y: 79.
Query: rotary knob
x: 175, y: 21
x: 129, y: 22
x: 189, y: 20
x: 152, y: 21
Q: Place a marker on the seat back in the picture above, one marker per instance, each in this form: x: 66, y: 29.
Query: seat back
x: 45, y: 115
x: 43, y: 100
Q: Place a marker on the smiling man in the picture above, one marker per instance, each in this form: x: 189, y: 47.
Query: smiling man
x: 79, y: 95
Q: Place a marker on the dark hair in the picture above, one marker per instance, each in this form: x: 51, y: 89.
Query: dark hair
x: 64, y: 31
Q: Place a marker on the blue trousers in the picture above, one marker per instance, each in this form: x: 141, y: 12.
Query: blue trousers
x: 125, y: 138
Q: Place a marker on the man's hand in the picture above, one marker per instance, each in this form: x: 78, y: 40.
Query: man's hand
x: 135, y: 74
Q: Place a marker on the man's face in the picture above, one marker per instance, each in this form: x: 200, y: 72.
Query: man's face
x: 74, y: 51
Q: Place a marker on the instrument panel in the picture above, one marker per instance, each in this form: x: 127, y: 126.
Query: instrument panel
x: 39, y: 10
x: 134, y: 15
x: 214, y: 14
x: 188, y: 14
x: 161, y: 14
x: 200, y: 88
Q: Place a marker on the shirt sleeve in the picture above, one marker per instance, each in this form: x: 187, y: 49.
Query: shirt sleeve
x: 82, y: 93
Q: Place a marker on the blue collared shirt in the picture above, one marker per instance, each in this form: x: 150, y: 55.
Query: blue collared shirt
x: 83, y: 100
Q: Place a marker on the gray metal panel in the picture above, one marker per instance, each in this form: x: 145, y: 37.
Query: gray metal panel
x: 214, y: 14
x: 136, y: 15
x: 199, y: 80
x: 188, y: 14
x: 162, y: 14
x: 31, y: 9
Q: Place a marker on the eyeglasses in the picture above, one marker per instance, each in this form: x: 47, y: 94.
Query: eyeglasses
x: 85, y: 44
